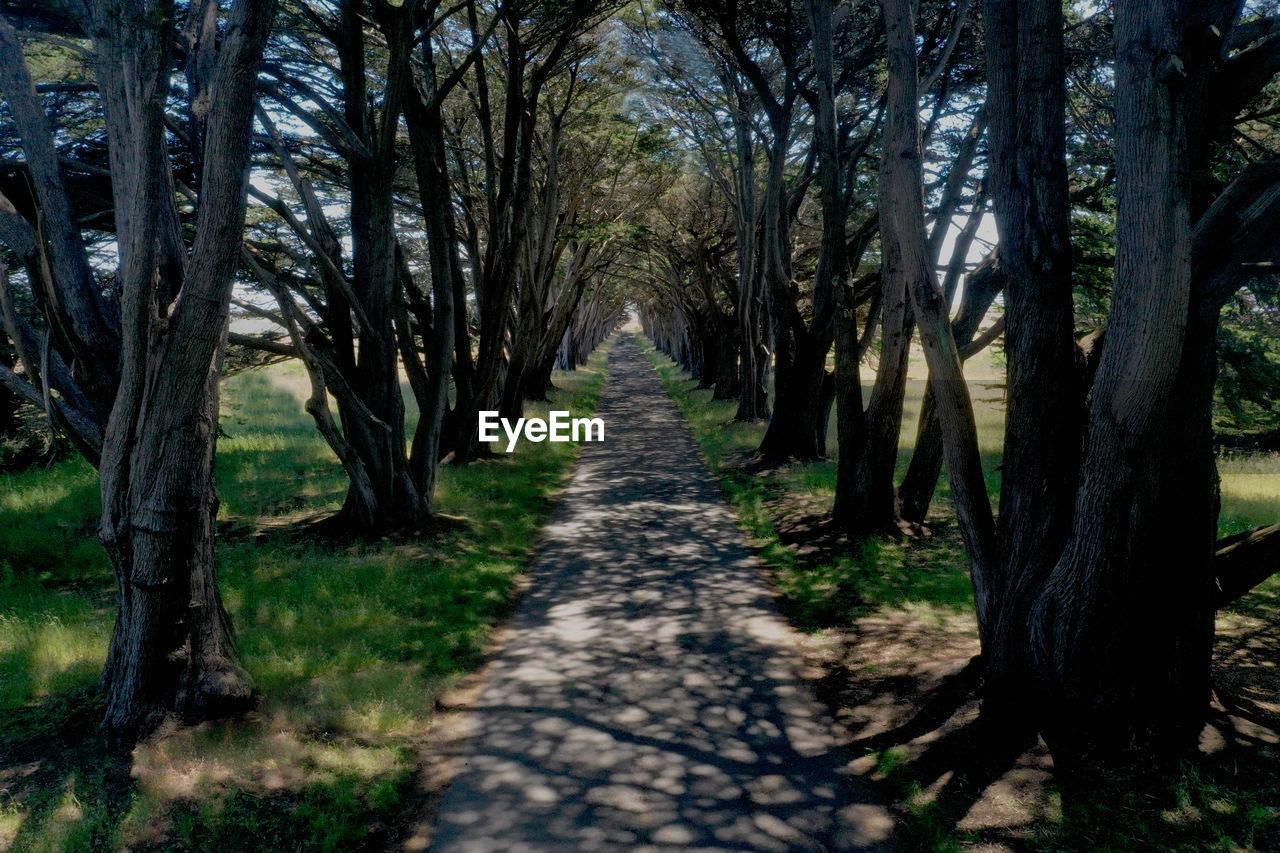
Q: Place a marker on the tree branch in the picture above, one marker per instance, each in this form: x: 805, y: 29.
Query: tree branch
x: 262, y: 344
x: 1245, y: 560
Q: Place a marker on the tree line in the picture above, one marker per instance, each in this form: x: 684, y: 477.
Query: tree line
x: 418, y: 190
x: 841, y: 161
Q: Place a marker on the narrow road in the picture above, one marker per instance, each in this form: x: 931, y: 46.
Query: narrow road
x: 646, y: 698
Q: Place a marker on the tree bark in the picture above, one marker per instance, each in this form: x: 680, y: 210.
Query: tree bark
x: 431, y: 166
x: 83, y: 325
x: 171, y: 649
x: 909, y: 267
x: 918, y: 484
x: 1243, y: 561
x: 1113, y: 669
x: 373, y: 418
x: 1030, y: 199
x: 753, y: 401
x: 805, y: 387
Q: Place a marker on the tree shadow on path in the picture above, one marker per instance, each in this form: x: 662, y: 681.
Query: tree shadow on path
x: 647, y: 697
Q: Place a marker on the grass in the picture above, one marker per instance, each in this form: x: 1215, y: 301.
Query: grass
x: 931, y: 573
x: 1250, y: 491
x: 352, y: 644
x: 892, y: 611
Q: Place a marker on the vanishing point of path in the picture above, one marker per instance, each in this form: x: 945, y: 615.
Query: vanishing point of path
x: 646, y: 697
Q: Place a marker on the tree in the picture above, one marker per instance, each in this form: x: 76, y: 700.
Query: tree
x: 78, y: 354
x: 688, y: 254
x: 172, y: 648
x: 1096, y: 597
x: 538, y: 41
x: 1109, y: 670
x: 865, y: 496
x: 353, y: 331
x: 599, y: 169
x: 710, y: 110
x: 908, y: 267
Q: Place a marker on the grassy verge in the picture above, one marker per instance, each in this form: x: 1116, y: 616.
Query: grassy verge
x: 833, y: 588
x: 351, y: 644
x: 893, y: 621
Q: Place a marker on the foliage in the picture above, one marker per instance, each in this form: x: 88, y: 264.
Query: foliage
x: 1248, y: 392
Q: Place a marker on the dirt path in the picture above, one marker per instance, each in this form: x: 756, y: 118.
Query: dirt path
x: 647, y: 698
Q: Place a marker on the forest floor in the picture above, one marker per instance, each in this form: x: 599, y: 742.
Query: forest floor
x: 647, y: 696
x: 890, y: 624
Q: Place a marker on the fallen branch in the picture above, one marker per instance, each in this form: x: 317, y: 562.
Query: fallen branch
x: 1245, y: 560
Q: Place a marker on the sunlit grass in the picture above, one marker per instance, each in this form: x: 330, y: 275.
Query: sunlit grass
x: 271, y: 459
x: 51, y: 650
x: 1250, y: 491
x: 351, y: 643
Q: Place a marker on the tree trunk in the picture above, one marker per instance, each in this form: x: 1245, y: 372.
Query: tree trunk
x: 753, y: 401
x: 83, y: 326
x: 909, y: 266
x: 1030, y: 199
x: 171, y: 649
x: 373, y: 412
x: 1122, y: 632
x: 804, y: 387
x: 851, y: 426
x: 507, y: 235
x: 798, y: 428
x: 427, y: 140
x: 728, y: 379
x: 871, y: 505
x: 798, y: 365
x: 918, y: 485
x: 538, y: 378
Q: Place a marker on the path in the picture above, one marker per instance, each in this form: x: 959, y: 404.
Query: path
x: 646, y: 698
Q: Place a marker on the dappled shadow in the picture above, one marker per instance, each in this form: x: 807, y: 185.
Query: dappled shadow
x: 907, y: 687
x: 647, y: 698
x: 336, y: 809
x: 1246, y: 675
x: 949, y: 697
x: 69, y: 780
x: 900, y: 685
x: 332, y: 531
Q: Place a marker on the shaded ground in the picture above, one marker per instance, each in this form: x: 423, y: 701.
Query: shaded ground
x: 900, y: 677
x: 890, y: 621
x: 902, y: 683
x: 648, y: 695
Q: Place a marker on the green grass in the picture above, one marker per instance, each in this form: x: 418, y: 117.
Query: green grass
x: 352, y: 644
x: 1226, y: 802
x: 836, y: 589
x: 932, y: 571
x: 1250, y: 491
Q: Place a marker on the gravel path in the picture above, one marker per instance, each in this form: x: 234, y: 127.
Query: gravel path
x: 647, y: 696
